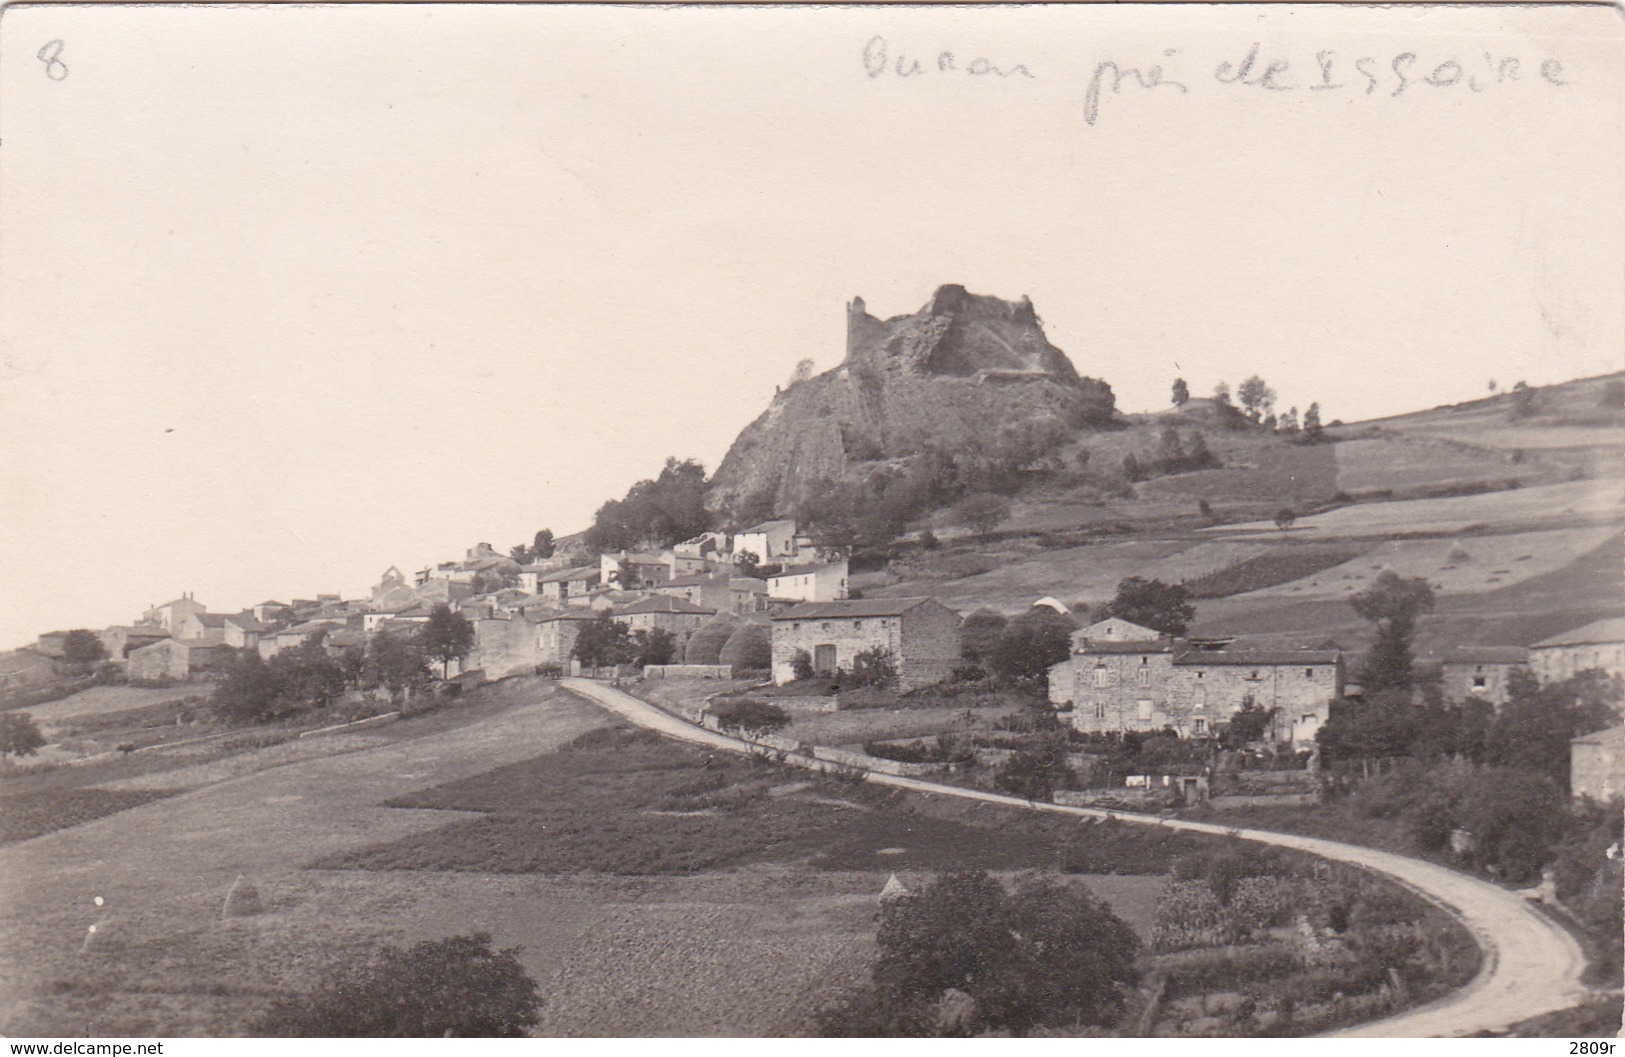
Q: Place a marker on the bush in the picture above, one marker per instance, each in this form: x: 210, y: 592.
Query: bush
x: 705, y: 645
x: 801, y: 665
x: 750, y: 646
x: 451, y: 988
x: 748, y: 716
x: 873, y: 667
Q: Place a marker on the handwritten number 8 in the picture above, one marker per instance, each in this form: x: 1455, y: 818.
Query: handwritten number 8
x: 50, y: 54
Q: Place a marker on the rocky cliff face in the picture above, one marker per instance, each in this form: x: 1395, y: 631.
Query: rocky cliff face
x: 945, y: 376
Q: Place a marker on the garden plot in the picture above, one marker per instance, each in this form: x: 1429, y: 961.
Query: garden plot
x: 1090, y: 572
x: 1400, y: 464
x: 1466, y: 566
x: 1545, y: 505
x: 106, y: 700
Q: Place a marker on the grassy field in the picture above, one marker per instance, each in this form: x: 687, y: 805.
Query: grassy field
x: 1406, y: 463
x: 100, y: 701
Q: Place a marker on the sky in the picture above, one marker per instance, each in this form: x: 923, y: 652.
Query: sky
x: 291, y: 295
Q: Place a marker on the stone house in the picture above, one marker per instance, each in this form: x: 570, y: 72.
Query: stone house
x: 706, y: 589
x: 504, y: 645
x: 1133, y: 683
x: 209, y: 627
x: 1600, y: 644
x: 921, y: 634
x: 442, y: 592
x: 664, y: 613
x: 270, y: 611
x: 556, y: 634
x: 568, y: 585
x: 707, y: 545
x: 174, y: 660
x: 391, y: 588
x: 649, y: 568
x: 825, y: 582
x: 243, y: 630
x: 121, y: 640
x: 169, y: 615
x: 771, y: 541
x: 1481, y: 672
x: 746, y: 594
x: 52, y: 643
x: 1597, y: 764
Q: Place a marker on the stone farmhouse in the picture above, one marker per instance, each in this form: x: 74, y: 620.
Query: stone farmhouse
x: 663, y: 613
x: 771, y: 541
x: 174, y: 660
x: 121, y: 640
x: 1600, y: 644
x: 169, y: 615
x: 1124, y: 677
x: 566, y: 585
x: 1481, y: 671
x: 921, y: 634
x: 825, y: 582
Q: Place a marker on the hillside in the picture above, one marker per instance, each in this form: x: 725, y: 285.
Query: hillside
x: 933, y: 378
x: 1517, y: 520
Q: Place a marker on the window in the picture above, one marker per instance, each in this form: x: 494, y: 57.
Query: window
x: 1102, y: 676
x: 1198, y: 725
x: 1253, y: 675
x: 857, y: 625
x: 1100, y: 708
x: 1144, y: 674
x: 1479, y: 682
x: 1308, y: 673
x: 796, y: 626
x: 1143, y: 705
x: 826, y: 626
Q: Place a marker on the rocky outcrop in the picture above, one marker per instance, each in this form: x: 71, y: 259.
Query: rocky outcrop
x: 943, y: 376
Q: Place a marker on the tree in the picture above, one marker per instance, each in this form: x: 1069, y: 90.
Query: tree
x: 1249, y: 723
x: 1285, y: 518
x: 1523, y: 400
x: 1032, y: 644
x: 451, y: 988
x: 803, y: 371
x: 1534, y: 729
x: 705, y: 645
x: 82, y: 648
x: 1030, y: 775
x: 1312, y: 431
x: 979, y: 635
x: 801, y: 665
x: 746, y: 563
x: 658, y: 512
x: 1182, y: 392
x: 626, y: 575
x: 520, y: 553
x: 1153, y: 604
x: 542, y: 545
x: 1256, y: 397
x: 1052, y: 955
x: 395, y: 663
x: 602, y: 641
x: 1393, y: 603
x: 654, y: 646
x: 447, y: 637
x: 982, y: 513
x: 1288, y: 422
x: 250, y: 691
x: 1221, y: 394
x: 19, y: 735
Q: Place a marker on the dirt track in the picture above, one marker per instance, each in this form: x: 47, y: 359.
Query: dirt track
x: 1531, y: 966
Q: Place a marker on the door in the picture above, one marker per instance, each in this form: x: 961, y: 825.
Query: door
x: 824, y: 659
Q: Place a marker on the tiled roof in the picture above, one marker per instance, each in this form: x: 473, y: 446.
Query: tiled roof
x: 1611, y: 736
x: 1599, y: 631
x: 584, y: 572
x: 1486, y: 655
x: 767, y: 526
x: 247, y: 621
x: 693, y: 580
x: 1256, y: 658
x: 748, y: 584
x: 569, y: 614
x: 804, y: 570
x: 1116, y: 647
x: 665, y: 604
x: 211, y: 620
x: 851, y: 608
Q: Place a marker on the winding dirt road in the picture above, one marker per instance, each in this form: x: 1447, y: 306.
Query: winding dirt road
x: 1531, y: 965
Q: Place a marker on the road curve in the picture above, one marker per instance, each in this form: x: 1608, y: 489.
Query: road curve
x: 1531, y: 965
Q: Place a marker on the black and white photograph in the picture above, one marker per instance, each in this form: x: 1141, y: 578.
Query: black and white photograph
x: 630, y: 521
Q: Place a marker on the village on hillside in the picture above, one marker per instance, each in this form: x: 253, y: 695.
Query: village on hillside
x: 768, y: 602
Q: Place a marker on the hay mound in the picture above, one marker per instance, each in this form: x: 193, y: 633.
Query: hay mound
x: 242, y: 900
